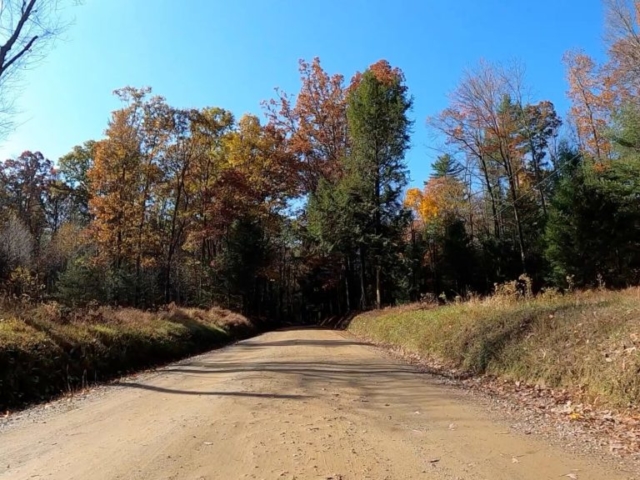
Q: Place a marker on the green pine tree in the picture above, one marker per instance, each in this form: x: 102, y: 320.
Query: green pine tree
x: 375, y: 171
x: 446, y: 166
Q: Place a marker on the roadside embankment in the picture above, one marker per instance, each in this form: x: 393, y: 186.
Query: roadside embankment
x: 587, y: 343
x: 47, y: 349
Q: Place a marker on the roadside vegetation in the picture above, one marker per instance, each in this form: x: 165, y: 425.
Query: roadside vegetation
x: 584, y: 342
x: 47, y: 349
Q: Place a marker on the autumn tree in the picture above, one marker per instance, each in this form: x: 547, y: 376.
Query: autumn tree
x: 507, y: 140
x: 26, y: 182
x: 124, y: 179
x: 265, y: 178
x: 314, y: 123
x: 439, y: 234
x: 590, y: 104
x: 464, y: 131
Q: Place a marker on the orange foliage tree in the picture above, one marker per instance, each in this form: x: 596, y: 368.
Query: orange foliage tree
x: 314, y: 124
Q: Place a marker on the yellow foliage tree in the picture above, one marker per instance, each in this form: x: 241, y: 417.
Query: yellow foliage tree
x: 440, y: 198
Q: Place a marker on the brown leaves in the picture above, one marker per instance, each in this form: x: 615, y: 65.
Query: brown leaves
x: 591, y: 104
x: 619, y: 431
x: 125, y: 179
x: 315, y: 126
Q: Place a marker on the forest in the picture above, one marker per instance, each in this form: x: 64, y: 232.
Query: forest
x: 302, y: 212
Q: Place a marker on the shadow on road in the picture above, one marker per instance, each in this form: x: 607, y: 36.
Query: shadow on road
x: 222, y: 394
x: 329, y: 370
x: 298, y: 369
x: 302, y: 343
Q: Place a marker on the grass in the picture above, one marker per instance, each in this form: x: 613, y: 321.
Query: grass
x: 585, y: 342
x: 46, y: 350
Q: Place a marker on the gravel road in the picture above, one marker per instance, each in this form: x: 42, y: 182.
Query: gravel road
x: 295, y: 404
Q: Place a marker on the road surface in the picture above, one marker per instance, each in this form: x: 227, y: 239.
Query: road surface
x: 297, y: 404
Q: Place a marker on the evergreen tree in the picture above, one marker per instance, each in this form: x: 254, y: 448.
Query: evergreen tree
x: 594, y: 224
x: 375, y: 172
x: 446, y: 166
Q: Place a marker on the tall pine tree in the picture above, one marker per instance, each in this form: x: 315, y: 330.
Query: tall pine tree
x: 375, y: 171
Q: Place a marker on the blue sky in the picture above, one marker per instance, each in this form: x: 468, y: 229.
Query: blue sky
x: 233, y: 53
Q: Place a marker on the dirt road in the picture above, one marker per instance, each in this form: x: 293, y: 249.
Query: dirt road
x: 298, y: 404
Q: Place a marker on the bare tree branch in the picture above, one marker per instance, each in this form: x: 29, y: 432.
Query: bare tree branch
x: 6, y: 48
x: 19, y: 55
x: 27, y: 29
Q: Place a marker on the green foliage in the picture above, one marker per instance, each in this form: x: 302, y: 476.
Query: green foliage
x: 375, y: 172
x: 459, y: 264
x: 446, y: 166
x: 73, y: 168
x: 331, y: 222
x: 81, y: 283
x: 240, y: 265
x: 593, y: 233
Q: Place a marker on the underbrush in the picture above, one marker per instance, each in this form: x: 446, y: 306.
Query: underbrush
x: 585, y: 342
x: 48, y: 349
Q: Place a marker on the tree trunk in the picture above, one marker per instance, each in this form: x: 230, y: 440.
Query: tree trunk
x: 363, y: 292
x: 516, y: 214
x: 378, y: 294
x: 346, y: 284
x: 494, y: 209
x: 536, y: 169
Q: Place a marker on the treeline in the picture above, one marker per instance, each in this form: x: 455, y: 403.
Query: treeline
x: 304, y: 215
x: 198, y: 208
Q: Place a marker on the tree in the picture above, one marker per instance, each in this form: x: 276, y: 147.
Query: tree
x: 594, y: 225
x: 590, y: 104
x: 375, y: 172
x: 463, y: 125
x: 439, y: 230
x: 332, y: 226
x: 316, y: 125
x: 539, y: 126
x: 26, y: 182
x: 74, y: 168
x: 27, y: 28
x: 446, y: 166
x: 125, y: 179
x: 16, y: 246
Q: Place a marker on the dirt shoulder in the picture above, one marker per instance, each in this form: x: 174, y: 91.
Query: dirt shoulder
x: 297, y: 404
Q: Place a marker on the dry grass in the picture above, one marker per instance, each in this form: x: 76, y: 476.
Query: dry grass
x: 48, y: 349
x: 586, y: 342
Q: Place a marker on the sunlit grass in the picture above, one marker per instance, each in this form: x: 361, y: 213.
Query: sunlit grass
x: 587, y: 342
x: 48, y: 349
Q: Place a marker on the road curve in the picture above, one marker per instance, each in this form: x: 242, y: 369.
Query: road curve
x: 297, y: 404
